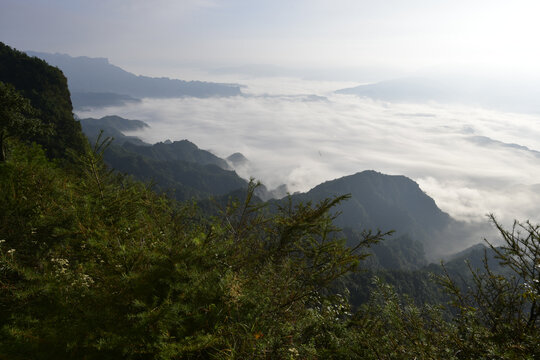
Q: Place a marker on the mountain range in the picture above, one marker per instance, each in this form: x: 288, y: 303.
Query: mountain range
x: 377, y: 201
x: 95, y: 82
x: 179, y: 167
x: 390, y: 202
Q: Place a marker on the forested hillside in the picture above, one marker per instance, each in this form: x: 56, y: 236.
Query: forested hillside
x: 179, y: 168
x: 377, y: 201
x: 46, y: 89
x: 385, y: 202
x: 96, y: 265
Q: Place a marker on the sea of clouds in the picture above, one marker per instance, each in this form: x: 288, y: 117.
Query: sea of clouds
x: 472, y: 161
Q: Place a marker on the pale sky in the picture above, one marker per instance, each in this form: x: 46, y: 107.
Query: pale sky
x: 404, y: 35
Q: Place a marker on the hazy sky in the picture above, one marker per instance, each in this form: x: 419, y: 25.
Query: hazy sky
x: 143, y: 35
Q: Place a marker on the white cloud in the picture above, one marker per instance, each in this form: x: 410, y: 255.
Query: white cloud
x: 459, y: 155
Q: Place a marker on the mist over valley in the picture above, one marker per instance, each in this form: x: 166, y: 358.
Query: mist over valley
x: 471, y: 160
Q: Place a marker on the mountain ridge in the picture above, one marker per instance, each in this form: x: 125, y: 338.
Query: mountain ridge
x: 179, y: 167
x: 388, y: 202
x: 97, y: 82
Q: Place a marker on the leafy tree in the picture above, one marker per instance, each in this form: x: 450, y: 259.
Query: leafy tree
x: 494, y: 316
x: 498, y: 314
x: 96, y: 266
x: 391, y: 326
x: 93, y: 265
x: 17, y: 117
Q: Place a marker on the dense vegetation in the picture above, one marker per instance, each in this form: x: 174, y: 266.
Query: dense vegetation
x: 94, y: 265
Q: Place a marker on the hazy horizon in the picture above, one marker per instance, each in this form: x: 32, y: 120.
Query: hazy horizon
x: 464, y: 157
x: 392, y: 37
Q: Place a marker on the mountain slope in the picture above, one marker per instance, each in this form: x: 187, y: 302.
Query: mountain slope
x: 46, y: 88
x: 113, y: 126
x: 180, y: 166
x: 183, y: 150
x: 186, y: 180
x: 385, y: 202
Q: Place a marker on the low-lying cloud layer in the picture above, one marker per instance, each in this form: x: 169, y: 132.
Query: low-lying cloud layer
x: 465, y: 158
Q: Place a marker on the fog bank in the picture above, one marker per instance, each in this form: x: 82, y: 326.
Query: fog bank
x: 471, y: 161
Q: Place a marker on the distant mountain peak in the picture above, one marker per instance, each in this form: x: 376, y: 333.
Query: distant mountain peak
x: 113, y: 126
x: 237, y: 159
x: 386, y: 202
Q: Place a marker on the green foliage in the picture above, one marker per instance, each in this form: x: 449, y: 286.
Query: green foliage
x: 93, y: 265
x: 17, y: 117
x: 494, y: 317
x: 393, y: 327
x: 417, y: 285
x: 499, y: 314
